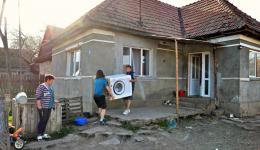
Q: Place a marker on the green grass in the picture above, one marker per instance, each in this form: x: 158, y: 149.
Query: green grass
x: 163, y: 123
x: 130, y: 127
x: 108, y: 118
x: 62, y: 133
x: 10, y: 119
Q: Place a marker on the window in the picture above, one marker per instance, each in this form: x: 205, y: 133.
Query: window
x: 73, y: 63
x: 254, y: 64
x: 138, y: 58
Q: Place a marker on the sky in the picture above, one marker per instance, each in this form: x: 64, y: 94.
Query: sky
x: 37, y: 14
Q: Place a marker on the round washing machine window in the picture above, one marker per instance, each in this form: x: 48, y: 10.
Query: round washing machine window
x: 119, y: 87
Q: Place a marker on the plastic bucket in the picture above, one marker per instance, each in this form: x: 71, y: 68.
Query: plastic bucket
x: 80, y: 121
x: 181, y: 93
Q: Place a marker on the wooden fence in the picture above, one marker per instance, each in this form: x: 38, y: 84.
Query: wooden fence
x: 29, y: 82
x: 27, y: 117
x: 4, y: 135
x: 71, y: 107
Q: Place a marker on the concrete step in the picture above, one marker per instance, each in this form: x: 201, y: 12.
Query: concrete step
x: 187, y: 104
x: 207, y: 104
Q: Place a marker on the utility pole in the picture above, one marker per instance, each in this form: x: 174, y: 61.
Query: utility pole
x: 20, y: 48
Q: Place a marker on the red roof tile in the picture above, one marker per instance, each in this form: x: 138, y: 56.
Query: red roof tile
x: 207, y: 17
x: 154, y: 16
x: 46, y: 48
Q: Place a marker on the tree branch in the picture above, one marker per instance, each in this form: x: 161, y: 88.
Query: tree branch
x: 2, y: 13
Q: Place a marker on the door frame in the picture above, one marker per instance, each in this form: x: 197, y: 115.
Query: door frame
x: 202, y: 88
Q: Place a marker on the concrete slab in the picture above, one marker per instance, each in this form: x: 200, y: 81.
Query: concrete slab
x: 146, y: 115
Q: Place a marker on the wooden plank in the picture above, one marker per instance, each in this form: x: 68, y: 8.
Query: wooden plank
x: 30, y: 119
x: 177, y: 77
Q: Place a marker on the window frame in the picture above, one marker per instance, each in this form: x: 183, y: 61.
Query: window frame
x: 141, y: 61
x: 255, y: 63
x: 71, y: 62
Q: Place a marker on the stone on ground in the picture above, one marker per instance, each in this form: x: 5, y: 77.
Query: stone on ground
x: 95, y: 130
x: 45, y: 144
x: 145, y: 132
x: 106, y: 131
x: 112, y: 141
x: 152, y: 139
x: 114, y: 123
x: 198, y: 117
x: 138, y: 139
x: 218, y: 112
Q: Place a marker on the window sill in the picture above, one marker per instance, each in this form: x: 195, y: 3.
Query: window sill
x: 254, y: 78
x: 142, y: 78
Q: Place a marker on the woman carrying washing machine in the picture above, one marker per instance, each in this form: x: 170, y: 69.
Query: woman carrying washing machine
x: 128, y: 100
x: 100, y: 84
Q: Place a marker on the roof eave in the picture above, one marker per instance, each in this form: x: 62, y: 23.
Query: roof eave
x: 244, y: 30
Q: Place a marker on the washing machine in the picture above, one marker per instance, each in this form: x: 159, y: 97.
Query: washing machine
x: 120, y: 85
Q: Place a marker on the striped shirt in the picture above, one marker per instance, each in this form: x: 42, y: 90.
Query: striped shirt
x: 46, y: 95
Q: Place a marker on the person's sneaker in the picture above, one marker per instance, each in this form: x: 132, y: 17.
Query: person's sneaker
x: 46, y: 136
x: 39, y: 138
x: 126, y: 112
x: 103, y: 122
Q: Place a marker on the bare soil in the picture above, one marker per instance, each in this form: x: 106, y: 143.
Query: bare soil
x: 206, y: 133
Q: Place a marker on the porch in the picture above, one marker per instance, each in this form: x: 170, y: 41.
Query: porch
x: 146, y: 114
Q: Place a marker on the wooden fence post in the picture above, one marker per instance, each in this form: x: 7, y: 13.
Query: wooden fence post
x: 177, y: 77
x: 4, y: 134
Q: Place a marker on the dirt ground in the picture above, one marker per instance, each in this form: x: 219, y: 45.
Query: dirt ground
x: 203, y: 133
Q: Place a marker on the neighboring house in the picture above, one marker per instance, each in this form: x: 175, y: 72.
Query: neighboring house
x: 44, y: 57
x: 21, y: 69
x: 218, y: 44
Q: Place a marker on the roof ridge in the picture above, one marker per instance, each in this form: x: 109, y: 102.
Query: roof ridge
x: 183, y: 32
x: 166, y: 3
x: 190, y: 4
x: 93, y: 10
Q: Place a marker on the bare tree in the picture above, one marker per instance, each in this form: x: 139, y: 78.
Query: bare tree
x: 3, y: 35
x: 28, y: 42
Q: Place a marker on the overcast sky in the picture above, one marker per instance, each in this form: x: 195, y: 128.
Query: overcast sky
x: 36, y: 14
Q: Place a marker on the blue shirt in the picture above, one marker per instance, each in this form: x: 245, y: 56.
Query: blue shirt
x: 132, y: 74
x: 99, y: 86
x: 46, y: 95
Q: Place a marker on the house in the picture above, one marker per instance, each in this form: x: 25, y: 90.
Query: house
x: 218, y: 48
x: 44, y: 57
x: 21, y: 70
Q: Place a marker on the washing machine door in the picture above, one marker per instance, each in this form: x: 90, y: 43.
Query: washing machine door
x: 119, y: 87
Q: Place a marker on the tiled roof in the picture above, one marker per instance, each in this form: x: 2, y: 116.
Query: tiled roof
x: 206, y: 17
x: 46, y: 47
x: 154, y: 16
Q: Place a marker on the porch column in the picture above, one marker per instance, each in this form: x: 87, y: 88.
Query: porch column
x: 177, y: 77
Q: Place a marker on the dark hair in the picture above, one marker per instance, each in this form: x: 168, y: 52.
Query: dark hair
x: 128, y: 66
x: 49, y: 77
x: 100, y: 74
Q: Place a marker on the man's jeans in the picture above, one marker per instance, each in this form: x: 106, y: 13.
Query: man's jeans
x: 44, y: 114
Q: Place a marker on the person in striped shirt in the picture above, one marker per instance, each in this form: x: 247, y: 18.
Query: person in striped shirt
x: 45, y: 103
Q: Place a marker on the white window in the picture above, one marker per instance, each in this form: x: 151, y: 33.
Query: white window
x: 254, y: 64
x: 138, y: 58
x: 73, y: 65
